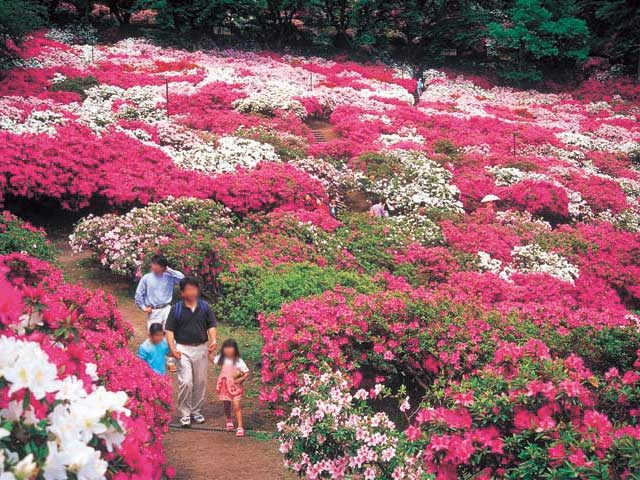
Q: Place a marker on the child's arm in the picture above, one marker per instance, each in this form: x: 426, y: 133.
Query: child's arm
x: 243, y: 372
x: 172, y: 365
x: 168, y: 358
x: 142, y: 354
x: 243, y: 376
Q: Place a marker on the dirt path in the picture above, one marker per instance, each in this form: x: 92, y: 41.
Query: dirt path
x: 196, y: 455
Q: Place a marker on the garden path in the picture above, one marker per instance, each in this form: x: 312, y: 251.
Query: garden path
x: 195, y: 454
x: 322, y: 130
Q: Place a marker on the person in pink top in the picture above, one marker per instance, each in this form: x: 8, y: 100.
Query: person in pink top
x: 230, y: 388
x: 379, y: 210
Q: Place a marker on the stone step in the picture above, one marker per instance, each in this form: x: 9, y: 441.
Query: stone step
x: 319, y: 136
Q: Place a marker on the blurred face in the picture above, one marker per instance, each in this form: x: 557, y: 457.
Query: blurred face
x: 190, y: 293
x: 229, y: 352
x: 156, y: 337
x: 157, y: 269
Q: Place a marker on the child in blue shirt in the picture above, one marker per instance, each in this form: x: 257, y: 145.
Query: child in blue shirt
x: 155, y: 349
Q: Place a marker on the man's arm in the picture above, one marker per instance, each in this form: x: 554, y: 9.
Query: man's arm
x: 141, y: 295
x: 172, y: 344
x: 212, y: 330
x: 176, y: 275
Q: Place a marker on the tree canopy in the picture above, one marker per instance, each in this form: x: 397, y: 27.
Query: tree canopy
x: 522, y: 40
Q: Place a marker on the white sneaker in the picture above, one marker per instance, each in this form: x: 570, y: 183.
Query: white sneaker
x: 198, y: 418
x: 185, y: 422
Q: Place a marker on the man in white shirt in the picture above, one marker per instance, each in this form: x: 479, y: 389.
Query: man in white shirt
x: 155, y: 290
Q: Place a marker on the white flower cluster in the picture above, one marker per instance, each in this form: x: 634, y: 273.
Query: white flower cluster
x: 74, y: 33
x: 628, y: 219
x: 534, y: 259
x: 38, y: 121
x: 140, y: 103
x: 488, y: 264
x: 229, y: 154
x: 272, y: 96
x: 418, y: 228
x: 421, y: 183
x: 530, y: 259
x: 597, y: 143
x: 506, y: 175
x: 121, y: 241
x: 79, y: 425
x: 404, y: 134
x: 336, y: 181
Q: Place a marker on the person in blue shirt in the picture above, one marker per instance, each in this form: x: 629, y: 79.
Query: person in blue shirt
x: 155, y: 349
x: 155, y: 290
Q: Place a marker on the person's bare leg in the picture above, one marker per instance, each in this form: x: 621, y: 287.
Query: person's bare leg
x: 237, y: 410
x: 227, y: 409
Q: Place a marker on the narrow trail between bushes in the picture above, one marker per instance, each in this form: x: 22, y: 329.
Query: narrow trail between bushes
x: 322, y: 131
x: 195, y: 454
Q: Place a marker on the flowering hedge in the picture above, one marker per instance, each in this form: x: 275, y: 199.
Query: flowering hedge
x: 86, y: 341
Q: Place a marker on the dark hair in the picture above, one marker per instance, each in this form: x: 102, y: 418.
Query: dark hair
x: 229, y: 342
x: 161, y: 260
x: 155, y: 328
x: 189, y: 281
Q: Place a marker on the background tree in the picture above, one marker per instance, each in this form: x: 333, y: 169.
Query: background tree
x: 198, y: 15
x: 122, y: 9
x: 536, y: 33
x: 617, y: 27
x: 337, y: 15
x: 274, y: 19
x: 17, y: 18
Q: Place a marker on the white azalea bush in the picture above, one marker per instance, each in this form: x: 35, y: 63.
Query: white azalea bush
x: 534, y: 259
x: 121, y: 241
x: 227, y: 155
x: 337, y: 180
x: 421, y: 182
x: 105, y: 105
x: 334, y: 433
x: 530, y: 258
x: 54, y: 428
x: 275, y: 95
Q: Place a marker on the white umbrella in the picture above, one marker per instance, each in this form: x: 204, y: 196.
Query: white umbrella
x: 490, y: 198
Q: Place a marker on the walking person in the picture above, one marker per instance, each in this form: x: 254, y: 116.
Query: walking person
x: 379, y: 210
x: 191, y: 335
x: 333, y: 208
x: 154, y: 351
x: 155, y: 290
x: 233, y: 373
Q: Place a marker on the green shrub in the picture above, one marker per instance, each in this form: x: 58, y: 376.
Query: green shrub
x: 252, y: 290
x: 17, y: 235
x: 77, y: 85
x: 601, y: 349
x: 370, y: 239
x: 380, y: 166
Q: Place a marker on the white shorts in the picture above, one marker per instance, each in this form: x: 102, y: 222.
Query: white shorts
x: 158, y: 315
